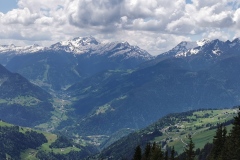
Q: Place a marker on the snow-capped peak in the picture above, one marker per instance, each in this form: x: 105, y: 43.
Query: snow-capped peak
x: 85, y: 41
x: 78, y: 41
x: 19, y: 49
x: 203, y: 42
x: 76, y: 45
x: 193, y: 48
x: 181, y: 48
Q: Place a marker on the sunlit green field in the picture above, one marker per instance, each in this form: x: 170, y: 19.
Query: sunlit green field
x: 198, y: 127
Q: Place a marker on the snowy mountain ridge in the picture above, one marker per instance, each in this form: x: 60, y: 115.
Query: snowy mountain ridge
x: 217, y: 47
x: 20, y: 50
x: 84, y: 45
x: 90, y: 45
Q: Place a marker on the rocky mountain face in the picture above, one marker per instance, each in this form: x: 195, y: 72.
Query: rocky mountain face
x: 64, y: 63
x: 21, y: 102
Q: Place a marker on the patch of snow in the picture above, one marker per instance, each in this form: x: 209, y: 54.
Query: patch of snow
x: 181, y: 54
x: 194, y: 51
x: 216, y: 52
x: 202, y: 42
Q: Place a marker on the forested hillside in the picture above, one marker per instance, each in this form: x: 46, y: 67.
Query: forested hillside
x: 27, y: 144
x: 21, y: 102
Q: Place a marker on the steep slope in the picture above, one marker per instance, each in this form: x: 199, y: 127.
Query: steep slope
x: 21, y: 102
x: 172, y: 130
x: 67, y: 62
x: 134, y: 99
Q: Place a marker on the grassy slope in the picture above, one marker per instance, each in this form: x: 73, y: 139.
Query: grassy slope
x: 2, y: 123
x: 175, y: 129
x: 177, y: 137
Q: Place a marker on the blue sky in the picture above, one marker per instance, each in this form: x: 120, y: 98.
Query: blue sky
x: 7, y: 5
x: 153, y: 25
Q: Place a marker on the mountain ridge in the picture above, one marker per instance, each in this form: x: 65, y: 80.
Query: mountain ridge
x: 22, y: 102
x: 77, y: 45
x: 172, y: 84
x: 68, y: 62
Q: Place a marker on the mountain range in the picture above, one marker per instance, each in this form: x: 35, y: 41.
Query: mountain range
x: 112, y: 86
x: 67, y: 62
x: 167, y: 84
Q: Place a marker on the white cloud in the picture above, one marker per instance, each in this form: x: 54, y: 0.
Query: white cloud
x: 237, y: 18
x: 216, y: 34
x: 214, y: 16
x: 19, y: 16
x: 155, y: 25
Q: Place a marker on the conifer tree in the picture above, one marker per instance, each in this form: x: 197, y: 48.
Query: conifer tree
x: 218, y: 144
x: 147, y: 151
x: 189, y: 149
x: 156, y: 152
x: 234, y: 139
x: 225, y: 148
x: 172, y: 153
x: 138, y: 153
x: 166, y: 155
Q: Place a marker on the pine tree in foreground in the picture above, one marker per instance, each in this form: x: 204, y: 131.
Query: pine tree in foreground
x: 137, y: 153
x: 172, y: 153
x: 189, y: 149
x: 234, y: 139
x: 218, y: 143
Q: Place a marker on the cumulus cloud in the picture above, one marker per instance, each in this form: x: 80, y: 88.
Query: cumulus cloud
x: 217, y: 34
x: 155, y: 25
x: 22, y: 16
x: 102, y: 14
x: 215, y: 16
x: 236, y: 18
x: 152, y: 15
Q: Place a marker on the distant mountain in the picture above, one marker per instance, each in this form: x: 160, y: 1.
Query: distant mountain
x: 134, y: 99
x: 90, y: 46
x: 200, y: 54
x: 210, y: 53
x: 67, y: 62
x: 77, y: 45
x: 21, y: 102
x: 20, y: 50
